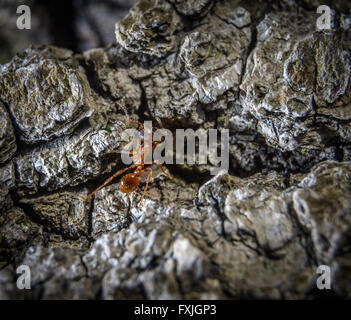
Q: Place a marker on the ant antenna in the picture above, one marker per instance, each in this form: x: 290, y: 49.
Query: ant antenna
x: 159, y: 122
x: 123, y: 108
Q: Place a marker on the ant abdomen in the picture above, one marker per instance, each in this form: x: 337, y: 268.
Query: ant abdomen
x: 129, y: 183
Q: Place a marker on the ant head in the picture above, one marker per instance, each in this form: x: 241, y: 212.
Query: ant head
x: 129, y: 183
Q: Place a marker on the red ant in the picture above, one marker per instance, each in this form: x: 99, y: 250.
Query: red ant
x: 130, y: 182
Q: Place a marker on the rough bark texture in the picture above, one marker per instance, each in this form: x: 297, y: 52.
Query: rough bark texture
x: 260, y: 69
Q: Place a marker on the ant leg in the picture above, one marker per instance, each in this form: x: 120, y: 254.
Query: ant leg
x: 135, y: 122
x: 108, y: 180
x: 141, y: 124
x: 120, y: 106
x: 147, y: 183
x: 159, y: 122
x: 165, y: 171
x: 123, y: 151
